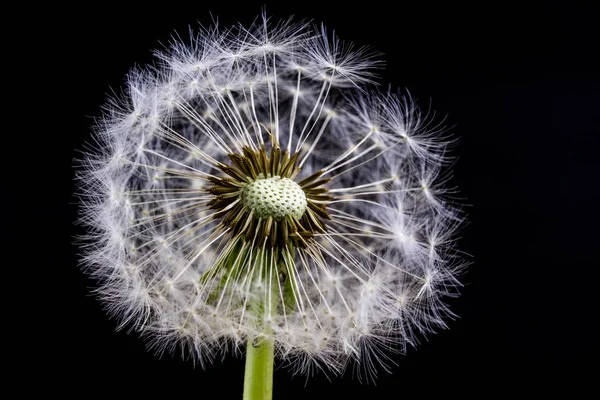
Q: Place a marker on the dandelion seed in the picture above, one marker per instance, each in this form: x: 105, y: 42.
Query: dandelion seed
x: 255, y: 190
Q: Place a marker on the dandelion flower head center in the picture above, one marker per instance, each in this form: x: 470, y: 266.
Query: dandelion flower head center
x: 257, y: 198
x: 275, y: 197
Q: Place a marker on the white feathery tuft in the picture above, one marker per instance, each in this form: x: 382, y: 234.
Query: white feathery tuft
x: 373, y: 281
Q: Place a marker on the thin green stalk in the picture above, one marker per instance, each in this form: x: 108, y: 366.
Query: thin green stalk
x: 260, y: 350
x: 258, y: 377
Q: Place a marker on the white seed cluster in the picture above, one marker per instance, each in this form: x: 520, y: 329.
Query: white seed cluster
x: 166, y: 258
x: 274, y: 197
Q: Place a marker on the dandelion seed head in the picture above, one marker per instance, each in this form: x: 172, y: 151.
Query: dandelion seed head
x: 255, y: 184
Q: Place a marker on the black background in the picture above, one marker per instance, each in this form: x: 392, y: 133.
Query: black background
x: 519, y: 86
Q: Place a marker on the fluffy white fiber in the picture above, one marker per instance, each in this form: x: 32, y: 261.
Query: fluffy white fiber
x: 374, y: 281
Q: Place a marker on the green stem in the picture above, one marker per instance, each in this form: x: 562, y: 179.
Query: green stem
x: 258, y: 377
x: 260, y: 351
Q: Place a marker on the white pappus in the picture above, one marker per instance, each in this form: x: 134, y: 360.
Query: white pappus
x: 254, y: 183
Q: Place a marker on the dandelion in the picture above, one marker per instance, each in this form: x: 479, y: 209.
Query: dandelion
x: 254, y: 190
